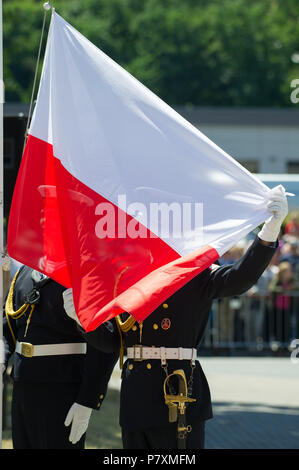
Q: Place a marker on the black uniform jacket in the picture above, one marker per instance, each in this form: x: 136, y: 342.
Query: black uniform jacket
x: 50, y: 324
x: 185, y: 315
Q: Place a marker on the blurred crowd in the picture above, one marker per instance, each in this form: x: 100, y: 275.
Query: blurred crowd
x: 269, y: 312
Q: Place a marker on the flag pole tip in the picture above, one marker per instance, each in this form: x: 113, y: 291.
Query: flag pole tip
x: 47, y: 6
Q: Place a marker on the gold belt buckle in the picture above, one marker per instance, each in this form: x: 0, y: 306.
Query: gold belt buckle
x: 27, y: 349
x: 138, y: 346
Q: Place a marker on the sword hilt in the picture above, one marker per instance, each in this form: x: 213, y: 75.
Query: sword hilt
x: 179, y: 399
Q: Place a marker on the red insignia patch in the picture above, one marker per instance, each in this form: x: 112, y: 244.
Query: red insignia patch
x: 165, y: 323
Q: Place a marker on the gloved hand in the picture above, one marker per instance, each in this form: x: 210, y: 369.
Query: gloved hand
x: 278, y: 205
x: 79, y: 417
x: 68, y: 303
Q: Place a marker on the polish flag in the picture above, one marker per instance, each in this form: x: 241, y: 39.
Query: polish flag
x: 105, y: 162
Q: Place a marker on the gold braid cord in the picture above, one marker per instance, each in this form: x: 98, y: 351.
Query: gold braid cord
x: 15, y: 314
x: 122, y: 326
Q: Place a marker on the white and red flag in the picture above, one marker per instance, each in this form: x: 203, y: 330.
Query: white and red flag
x: 106, y: 160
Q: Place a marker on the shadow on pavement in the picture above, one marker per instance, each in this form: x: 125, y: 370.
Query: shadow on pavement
x: 252, y: 426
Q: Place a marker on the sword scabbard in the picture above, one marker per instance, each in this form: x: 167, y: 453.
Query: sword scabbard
x: 177, y: 406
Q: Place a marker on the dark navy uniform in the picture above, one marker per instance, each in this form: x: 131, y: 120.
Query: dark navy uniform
x: 179, y: 322
x: 45, y: 387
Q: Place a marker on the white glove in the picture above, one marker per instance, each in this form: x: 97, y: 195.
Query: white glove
x: 68, y: 303
x: 79, y: 416
x: 278, y: 206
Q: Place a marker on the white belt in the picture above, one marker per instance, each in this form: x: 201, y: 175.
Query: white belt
x: 140, y: 353
x: 30, y: 350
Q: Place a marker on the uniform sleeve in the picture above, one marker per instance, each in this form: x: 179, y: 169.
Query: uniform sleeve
x: 105, y: 337
x: 103, y: 345
x: 237, y: 278
x: 96, y: 375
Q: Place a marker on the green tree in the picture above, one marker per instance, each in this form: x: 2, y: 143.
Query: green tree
x: 196, y: 52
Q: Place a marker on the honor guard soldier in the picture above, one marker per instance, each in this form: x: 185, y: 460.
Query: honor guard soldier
x: 58, y: 379
x: 165, y: 397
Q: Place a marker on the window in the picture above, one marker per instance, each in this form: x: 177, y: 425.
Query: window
x: 250, y: 165
x: 293, y: 166
x: 9, y: 154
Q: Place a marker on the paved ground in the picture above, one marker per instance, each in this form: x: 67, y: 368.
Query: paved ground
x: 255, y: 403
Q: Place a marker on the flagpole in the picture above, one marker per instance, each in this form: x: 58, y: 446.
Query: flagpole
x: 47, y: 6
x: 1, y: 219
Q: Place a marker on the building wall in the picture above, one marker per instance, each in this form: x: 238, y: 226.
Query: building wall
x: 272, y: 147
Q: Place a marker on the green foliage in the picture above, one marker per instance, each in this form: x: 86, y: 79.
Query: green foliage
x: 197, y: 52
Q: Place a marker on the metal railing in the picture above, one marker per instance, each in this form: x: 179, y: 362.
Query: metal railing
x: 253, y: 323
